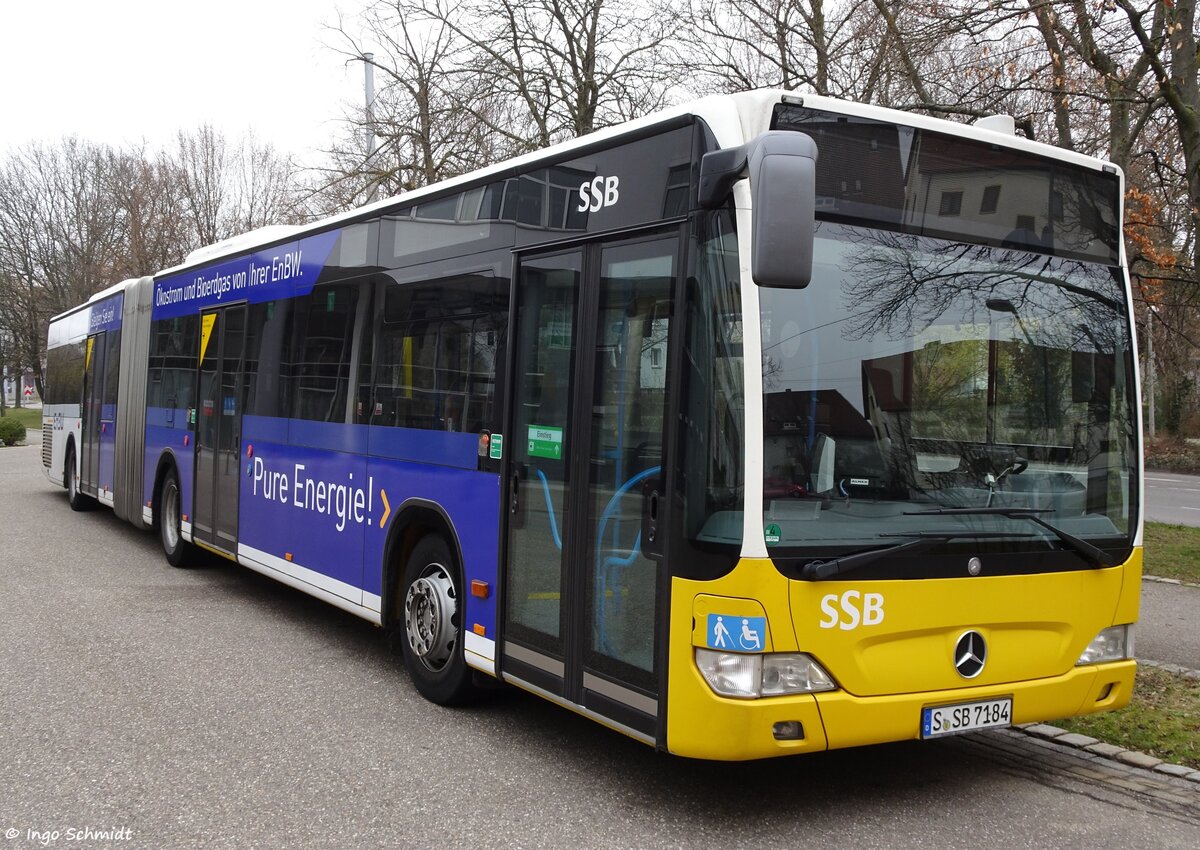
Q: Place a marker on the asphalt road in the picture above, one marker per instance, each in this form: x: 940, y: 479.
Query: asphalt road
x: 216, y: 708
x: 1173, y: 498
x: 1169, y: 626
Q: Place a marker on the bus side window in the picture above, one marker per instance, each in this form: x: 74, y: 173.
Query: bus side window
x: 172, y: 367
x: 324, y: 323
x: 112, y: 369
x: 268, y: 356
x: 437, y: 354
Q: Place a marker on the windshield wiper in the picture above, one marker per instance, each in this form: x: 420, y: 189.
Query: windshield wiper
x: 820, y: 570
x: 1096, y: 555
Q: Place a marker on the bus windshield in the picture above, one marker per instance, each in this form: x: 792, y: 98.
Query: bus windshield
x: 917, y: 375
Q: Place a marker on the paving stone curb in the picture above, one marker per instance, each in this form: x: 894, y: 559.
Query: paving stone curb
x: 1158, y: 579
x: 1130, y: 757
x: 1177, y: 669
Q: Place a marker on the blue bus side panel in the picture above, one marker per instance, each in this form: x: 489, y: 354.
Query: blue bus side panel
x: 325, y: 506
x: 165, y: 432
x: 108, y: 445
x: 106, y: 315
x: 471, y: 501
x: 307, y: 506
x: 445, y: 448
x: 279, y: 272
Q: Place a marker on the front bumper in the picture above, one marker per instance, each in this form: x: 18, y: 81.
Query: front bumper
x: 704, y: 725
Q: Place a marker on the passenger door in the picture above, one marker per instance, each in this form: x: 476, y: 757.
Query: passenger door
x: 587, y: 430
x: 219, y: 427
x: 91, y: 411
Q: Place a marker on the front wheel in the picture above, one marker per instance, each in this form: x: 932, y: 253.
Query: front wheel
x: 179, y: 552
x: 430, y: 627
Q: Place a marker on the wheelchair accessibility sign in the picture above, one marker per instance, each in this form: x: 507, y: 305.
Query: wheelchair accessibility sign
x: 736, y: 634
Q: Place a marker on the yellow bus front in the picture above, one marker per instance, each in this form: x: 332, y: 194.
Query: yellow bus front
x: 889, y: 653
x: 909, y: 505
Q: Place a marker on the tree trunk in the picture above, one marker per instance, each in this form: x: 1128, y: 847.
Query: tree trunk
x: 1046, y: 17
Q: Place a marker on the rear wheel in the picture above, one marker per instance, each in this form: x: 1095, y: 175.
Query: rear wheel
x: 429, y: 631
x: 179, y: 552
x: 75, y: 498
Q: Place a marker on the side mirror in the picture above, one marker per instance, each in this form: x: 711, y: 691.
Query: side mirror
x: 782, y: 168
x: 783, y: 192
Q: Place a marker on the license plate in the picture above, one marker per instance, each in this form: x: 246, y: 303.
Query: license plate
x: 965, y: 717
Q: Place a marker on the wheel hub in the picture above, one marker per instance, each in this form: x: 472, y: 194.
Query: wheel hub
x: 430, y: 609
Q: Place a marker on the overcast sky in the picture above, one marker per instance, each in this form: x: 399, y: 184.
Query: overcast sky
x: 121, y: 71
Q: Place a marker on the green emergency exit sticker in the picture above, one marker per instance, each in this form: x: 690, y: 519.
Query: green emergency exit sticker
x: 496, y: 447
x: 545, y: 441
x: 773, y: 532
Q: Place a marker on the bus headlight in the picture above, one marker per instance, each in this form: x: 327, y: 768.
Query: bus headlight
x: 733, y: 674
x: 1113, y: 644
x: 793, y: 673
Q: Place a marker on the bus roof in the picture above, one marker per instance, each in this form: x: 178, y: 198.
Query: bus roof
x: 96, y: 297
x: 733, y: 119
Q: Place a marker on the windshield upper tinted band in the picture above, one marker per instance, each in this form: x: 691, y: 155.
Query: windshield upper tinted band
x: 918, y: 181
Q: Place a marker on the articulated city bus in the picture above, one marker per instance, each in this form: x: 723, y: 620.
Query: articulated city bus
x: 765, y: 425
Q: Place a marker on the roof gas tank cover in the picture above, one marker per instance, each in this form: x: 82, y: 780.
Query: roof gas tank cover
x: 1005, y: 124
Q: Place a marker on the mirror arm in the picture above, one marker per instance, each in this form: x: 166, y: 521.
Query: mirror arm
x: 719, y: 170
x: 781, y: 166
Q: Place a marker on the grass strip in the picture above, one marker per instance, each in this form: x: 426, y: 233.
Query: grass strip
x: 1162, y: 719
x: 30, y: 417
x: 1172, y: 551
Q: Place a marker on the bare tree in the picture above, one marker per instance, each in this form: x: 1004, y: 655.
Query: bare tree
x: 145, y: 188
x: 203, y: 162
x: 1165, y: 30
x: 745, y: 44
x: 229, y: 188
x: 59, y: 236
x: 564, y: 68
x: 76, y: 217
x: 419, y: 129
x: 944, y: 59
x: 467, y: 84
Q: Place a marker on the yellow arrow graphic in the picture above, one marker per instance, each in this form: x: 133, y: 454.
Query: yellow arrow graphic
x: 387, y: 509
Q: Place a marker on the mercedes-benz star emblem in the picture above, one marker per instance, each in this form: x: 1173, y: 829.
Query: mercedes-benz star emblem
x: 970, y: 654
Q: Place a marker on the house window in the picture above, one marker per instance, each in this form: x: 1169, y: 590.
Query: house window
x: 991, y: 199
x: 951, y: 203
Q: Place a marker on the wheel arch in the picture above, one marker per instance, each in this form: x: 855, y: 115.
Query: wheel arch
x: 69, y: 451
x: 414, y: 519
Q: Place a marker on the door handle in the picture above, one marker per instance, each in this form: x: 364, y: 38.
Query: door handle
x: 514, y: 492
x: 652, y: 505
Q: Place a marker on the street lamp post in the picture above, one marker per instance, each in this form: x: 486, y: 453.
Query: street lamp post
x: 369, y: 113
x: 1150, y: 370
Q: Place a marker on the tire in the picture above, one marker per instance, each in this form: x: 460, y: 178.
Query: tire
x: 428, y: 628
x: 179, y: 552
x: 75, y: 498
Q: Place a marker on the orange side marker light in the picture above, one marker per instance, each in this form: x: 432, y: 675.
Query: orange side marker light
x: 479, y: 588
